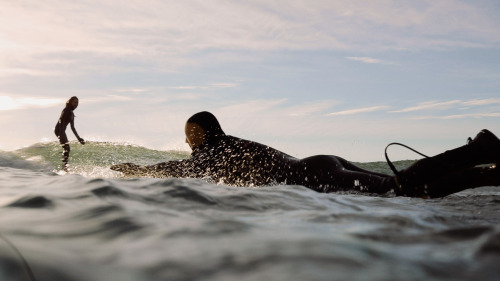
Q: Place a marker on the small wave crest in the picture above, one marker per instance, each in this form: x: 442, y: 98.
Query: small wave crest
x: 12, y: 160
x: 490, y: 244
x: 91, y: 160
x: 36, y: 201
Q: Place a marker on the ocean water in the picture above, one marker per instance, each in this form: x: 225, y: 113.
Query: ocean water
x: 94, y: 224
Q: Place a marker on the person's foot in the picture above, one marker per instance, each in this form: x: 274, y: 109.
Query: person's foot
x: 484, y: 136
x: 487, y: 146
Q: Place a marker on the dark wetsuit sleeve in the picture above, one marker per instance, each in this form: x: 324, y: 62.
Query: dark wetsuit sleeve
x: 194, y: 167
x: 72, y: 123
x: 178, y: 169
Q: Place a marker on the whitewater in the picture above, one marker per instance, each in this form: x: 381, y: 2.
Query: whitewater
x: 94, y: 224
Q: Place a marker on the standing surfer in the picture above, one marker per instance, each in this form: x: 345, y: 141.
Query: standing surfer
x: 236, y: 161
x: 67, y: 117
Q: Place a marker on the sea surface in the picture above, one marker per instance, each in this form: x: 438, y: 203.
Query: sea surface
x: 94, y: 224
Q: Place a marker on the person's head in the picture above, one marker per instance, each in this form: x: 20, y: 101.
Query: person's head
x: 202, y: 129
x: 72, y: 102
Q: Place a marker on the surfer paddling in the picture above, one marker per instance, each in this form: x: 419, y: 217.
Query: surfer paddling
x: 231, y: 160
x: 67, y: 117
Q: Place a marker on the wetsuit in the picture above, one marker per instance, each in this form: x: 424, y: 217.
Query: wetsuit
x: 240, y: 162
x: 236, y: 161
x: 67, y: 117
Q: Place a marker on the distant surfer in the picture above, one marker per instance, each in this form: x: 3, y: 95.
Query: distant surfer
x: 67, y: 117
x: 236, y: 161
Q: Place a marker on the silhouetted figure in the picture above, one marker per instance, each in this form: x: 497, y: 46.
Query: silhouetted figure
x: 67, y: 117
x: 236, y: 161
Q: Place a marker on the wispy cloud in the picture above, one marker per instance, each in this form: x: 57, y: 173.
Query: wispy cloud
x: 310, y: 108
x: 251, y: 106
x: 133, y: 90
x: 459, y: 116
x: 369, y: 60
x: 165, y: 33
x: 477, y: 102
x: 443, y: 105
x: 429, y: 105
x: 4, y: 72
x: 185, y: 87
x: 223, y: 85
x: 204, y: 87
x: 359, y: 110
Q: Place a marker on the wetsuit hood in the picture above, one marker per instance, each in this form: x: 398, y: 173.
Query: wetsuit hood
x: 209, y: 124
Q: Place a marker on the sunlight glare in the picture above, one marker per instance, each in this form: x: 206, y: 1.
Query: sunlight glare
x: 9, y: 103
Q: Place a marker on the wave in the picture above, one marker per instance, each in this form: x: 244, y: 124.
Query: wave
x: 32, y: 202
x: 92, y: 159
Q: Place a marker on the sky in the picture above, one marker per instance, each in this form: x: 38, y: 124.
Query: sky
x: 306, y: 77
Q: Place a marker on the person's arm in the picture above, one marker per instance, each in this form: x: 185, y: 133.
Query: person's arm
x: 72, y: 123
x: 176, y: 169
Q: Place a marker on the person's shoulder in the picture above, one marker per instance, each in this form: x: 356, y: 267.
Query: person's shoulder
x: 244, y: 143
x: 234, y: 140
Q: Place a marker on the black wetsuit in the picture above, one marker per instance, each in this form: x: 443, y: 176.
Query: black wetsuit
x: 67, y: 117
x: 240, y: 162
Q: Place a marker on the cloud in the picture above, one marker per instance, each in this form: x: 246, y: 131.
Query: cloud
x: 185, y: 87
x: 106, y: 99
x: 429, y: 105
x: 358, y: 110
x: 28, y: 72
x: 251, y: 106
x: 223, y: 85
x: 436, y: 105
x: 460, y: 116
x: 133, y: 90
x: 10, y: 103
x: 166, y: 34
x: 84, y: 39
x: 477, y: 102
x: 204, y: 87
x: 310, y: 108
x: 369, y: 60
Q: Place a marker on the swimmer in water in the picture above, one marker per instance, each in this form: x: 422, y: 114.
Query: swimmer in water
x: 240, y: 162
x: 67, y: 117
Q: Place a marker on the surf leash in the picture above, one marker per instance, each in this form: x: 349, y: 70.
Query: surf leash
x: 396, y: 172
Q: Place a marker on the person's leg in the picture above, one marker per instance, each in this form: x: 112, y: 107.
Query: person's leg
x: 455, y: 182
x: 350, y: 166
x: 326, y: 173
x: 63, y: 140
x: 483, y: 149
x: 65, y: 156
